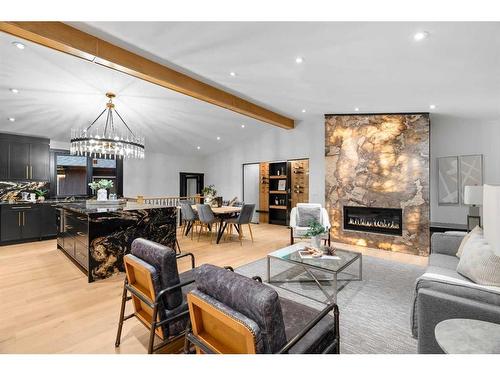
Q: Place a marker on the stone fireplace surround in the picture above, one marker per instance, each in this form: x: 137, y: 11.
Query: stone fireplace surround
x: 379, y: 161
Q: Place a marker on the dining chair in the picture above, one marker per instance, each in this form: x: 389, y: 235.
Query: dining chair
x: 245, y: 217
x: 189, y: 217
x: 207, y: 219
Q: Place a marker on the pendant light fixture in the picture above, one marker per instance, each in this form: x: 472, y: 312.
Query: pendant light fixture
x: 105, y: 140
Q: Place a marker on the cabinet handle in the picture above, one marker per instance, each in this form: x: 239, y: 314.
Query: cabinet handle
x: 27, y: 172
x: 18, y: 219
x: 21, y: 208
x: 24, y: 219
x: 31, y: 171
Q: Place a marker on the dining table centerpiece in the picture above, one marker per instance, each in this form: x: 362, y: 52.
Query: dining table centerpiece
x: 314, y: 232
x: 209, y: 194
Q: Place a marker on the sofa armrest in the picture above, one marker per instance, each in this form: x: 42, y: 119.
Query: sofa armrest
x: 434, y: 307
x: 445, y: 243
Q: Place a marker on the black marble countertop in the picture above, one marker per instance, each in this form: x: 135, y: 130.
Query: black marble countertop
x: 81, y: 207
x: 46, y: 201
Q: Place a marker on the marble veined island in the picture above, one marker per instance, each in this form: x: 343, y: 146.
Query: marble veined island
x: 98, y: 238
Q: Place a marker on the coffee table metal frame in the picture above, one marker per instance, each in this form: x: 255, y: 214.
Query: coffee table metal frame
x: 307, y: 269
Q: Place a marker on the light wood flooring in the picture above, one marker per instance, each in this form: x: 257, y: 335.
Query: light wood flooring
x: 47, y: 306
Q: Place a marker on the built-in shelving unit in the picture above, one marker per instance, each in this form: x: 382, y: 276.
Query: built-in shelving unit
x: 283, y: 184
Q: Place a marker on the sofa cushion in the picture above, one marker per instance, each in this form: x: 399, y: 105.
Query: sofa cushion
x: 296, y: 316
x: 255, y: 300
x: 306, y: 214
x: 476, y: 231
x: 443, y: 261
x: 480, y: 264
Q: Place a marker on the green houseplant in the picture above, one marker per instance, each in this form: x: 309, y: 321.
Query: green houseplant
x: 316, y: 229
x: 209, y: 194
x: 40, y: 194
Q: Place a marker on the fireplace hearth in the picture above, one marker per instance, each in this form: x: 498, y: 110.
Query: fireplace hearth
x: 374, y: 220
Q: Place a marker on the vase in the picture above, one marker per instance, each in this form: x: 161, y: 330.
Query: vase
x: 102, y: 195
x: 208, y: 200
x: 316, y: 242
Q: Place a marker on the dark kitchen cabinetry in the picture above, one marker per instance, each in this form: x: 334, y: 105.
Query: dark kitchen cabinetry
x: 73, y: 236
x: 20, y: 222
x: 27, y: 222
x: 24, y: 158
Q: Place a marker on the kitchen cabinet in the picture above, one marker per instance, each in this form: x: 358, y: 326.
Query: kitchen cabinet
x: 22, y: 222
x: 24, y: 158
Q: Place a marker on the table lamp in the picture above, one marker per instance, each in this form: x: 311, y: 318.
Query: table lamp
x: 473, y: 196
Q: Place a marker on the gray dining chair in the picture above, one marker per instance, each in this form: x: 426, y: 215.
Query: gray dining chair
x: 189, y: 217
x: 208, y: 221
x: 245, y: 217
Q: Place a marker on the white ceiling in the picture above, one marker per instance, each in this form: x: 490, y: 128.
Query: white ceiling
x: 58, y: 92
x: 377, y: 67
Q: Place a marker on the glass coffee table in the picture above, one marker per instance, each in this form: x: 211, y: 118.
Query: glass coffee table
x: 332, y: 267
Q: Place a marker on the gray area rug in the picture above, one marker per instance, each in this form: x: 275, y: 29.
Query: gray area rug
x: 374, y: 312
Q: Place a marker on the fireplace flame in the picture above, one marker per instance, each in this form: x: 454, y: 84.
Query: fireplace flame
x: 378, y: 223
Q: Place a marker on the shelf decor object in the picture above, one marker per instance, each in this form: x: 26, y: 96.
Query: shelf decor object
x: 106, y: 140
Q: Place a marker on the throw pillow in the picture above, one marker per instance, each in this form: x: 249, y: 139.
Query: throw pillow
x: 308, y: 214
x: 476, y: 230
x: 478, y: 262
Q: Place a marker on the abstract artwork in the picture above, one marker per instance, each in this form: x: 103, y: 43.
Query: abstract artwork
x: 448, y: 180
x: 471, y: 172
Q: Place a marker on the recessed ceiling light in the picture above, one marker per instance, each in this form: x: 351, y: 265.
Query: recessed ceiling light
x: 421, y: 35
x: 232, y: 74
x: 242, y: 125
x: 11, y: 119
x: 218, y: 138
x: 303, y: 111
x: 14, y: 91
x: 299, y: 60
x: 432, y: 106
x: 19, y: 45
x: 198, y: 147
x: 356, y: 109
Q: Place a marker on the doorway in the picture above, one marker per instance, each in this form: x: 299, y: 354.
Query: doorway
x: 191, y: 184
x: 251, y: 187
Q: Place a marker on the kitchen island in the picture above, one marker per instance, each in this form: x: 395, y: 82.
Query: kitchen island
x: 98, y: 238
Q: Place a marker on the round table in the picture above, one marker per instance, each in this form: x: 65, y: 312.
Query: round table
x: 468, y: 336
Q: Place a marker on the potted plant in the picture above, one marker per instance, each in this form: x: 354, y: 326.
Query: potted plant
x: 314, y: 233
x: 209, y: 193
x: 40, y: 194
x: 102, y: 187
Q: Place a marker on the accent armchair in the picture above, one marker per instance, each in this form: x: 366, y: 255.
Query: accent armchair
x: 231, y: 313
x: 157, y: 290
x: 301, y: 216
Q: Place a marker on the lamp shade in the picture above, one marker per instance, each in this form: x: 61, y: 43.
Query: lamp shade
x: 473, y: 195
x: 491, y: 214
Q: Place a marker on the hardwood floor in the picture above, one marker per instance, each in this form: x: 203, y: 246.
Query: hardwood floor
x: 47, y: 306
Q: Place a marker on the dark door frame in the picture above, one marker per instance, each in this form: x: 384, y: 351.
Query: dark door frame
x: 183, y: 179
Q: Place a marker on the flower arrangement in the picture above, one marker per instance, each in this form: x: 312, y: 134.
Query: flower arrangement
x: 209, y: 191
x: 101, y: 184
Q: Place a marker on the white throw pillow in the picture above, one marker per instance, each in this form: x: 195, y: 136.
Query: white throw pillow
x: 478, y: 262
x: 476, y: 230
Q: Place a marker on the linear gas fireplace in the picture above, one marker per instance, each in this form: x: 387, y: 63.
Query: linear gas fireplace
x: 374, y: 220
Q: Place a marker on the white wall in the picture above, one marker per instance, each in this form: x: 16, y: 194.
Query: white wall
x: 452, y: 136
x: 157, y: 175
x: 224, y: 169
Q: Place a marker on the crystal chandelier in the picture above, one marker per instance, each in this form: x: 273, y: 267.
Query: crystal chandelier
x: 106, y: 141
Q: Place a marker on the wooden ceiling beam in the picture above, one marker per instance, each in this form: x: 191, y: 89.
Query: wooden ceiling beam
x: 67, y: 39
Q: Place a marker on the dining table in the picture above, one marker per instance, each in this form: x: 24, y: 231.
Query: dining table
x: 221, y: 213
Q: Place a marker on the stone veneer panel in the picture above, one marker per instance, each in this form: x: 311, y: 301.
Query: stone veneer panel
x: 379, y: 160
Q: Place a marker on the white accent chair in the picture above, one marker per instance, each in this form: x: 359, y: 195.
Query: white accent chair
x: 298, y: 231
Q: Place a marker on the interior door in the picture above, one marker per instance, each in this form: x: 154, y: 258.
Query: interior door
x: 190, y: 183
x: 251, y: 187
